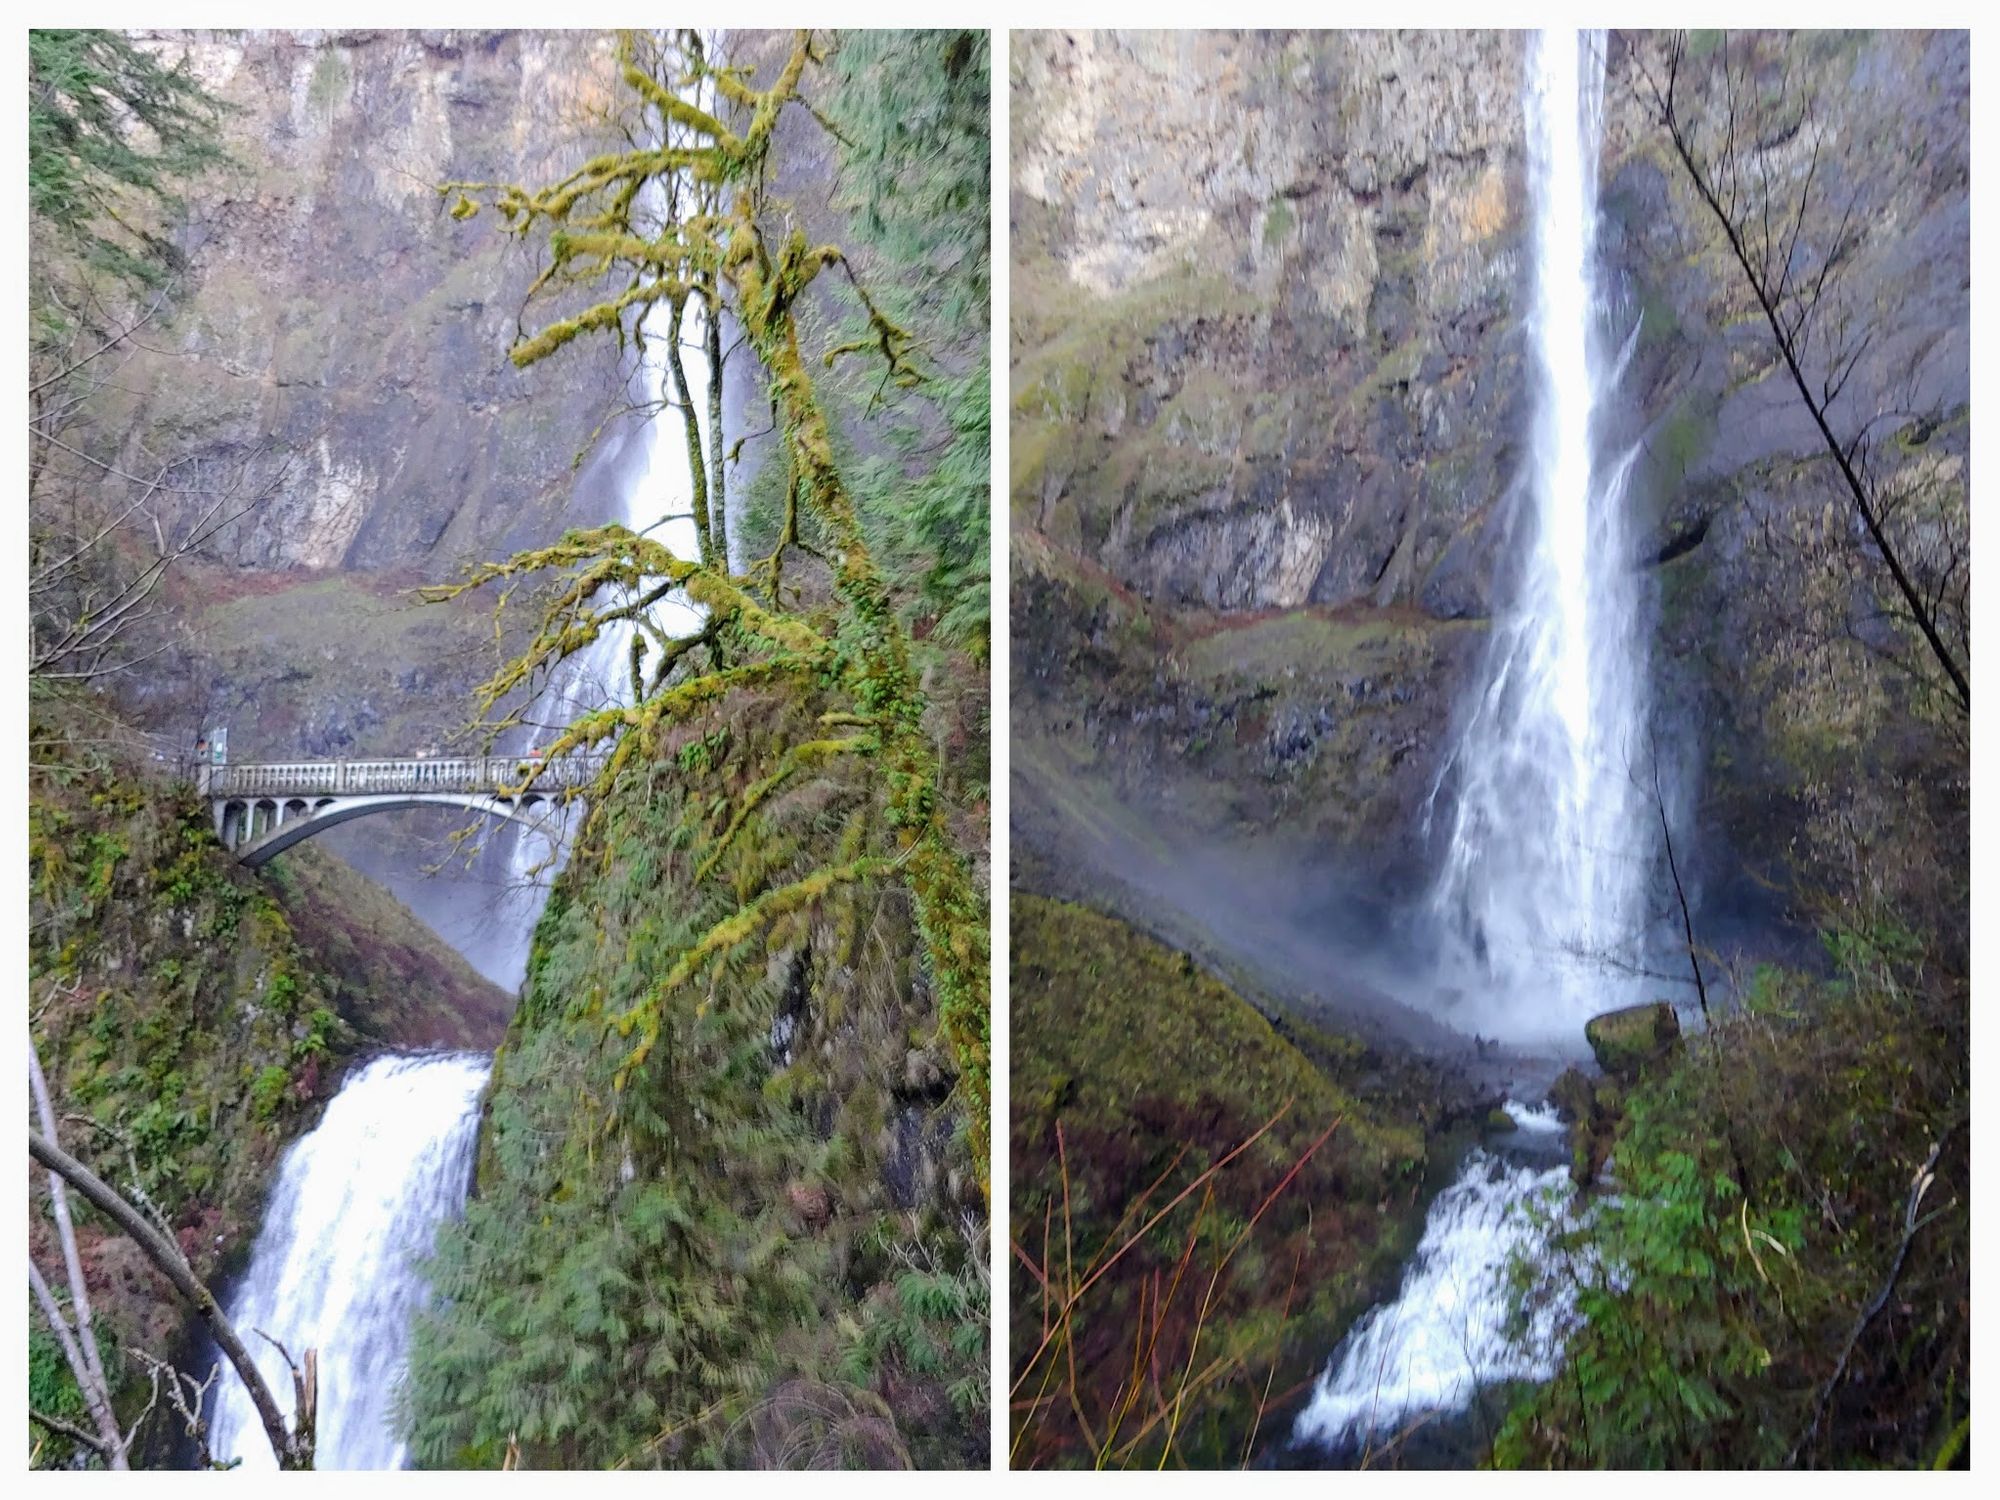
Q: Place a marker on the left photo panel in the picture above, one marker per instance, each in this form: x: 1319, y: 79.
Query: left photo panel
x: 508, y: 713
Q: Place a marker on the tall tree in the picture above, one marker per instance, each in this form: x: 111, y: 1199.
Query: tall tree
x: 113, y: 137
x: 625, y: 224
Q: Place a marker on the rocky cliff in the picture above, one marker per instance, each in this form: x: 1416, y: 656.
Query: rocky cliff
x: 336, y: 350
x: 1268, y: 390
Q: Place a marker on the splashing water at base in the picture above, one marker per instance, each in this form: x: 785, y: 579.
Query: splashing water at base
x: 336, y: 1266
x: 1447, y: 1333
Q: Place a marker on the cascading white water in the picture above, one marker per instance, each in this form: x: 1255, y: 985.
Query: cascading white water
x: 1550, y: 840
x: 1447, y: 1333
x: 1540, y: 893
x: 337, y: 1265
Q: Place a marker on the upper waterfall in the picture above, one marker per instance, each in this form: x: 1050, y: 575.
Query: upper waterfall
x: 1549, y: 836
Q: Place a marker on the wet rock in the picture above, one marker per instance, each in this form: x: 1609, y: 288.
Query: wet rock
x: 1592, y: 1108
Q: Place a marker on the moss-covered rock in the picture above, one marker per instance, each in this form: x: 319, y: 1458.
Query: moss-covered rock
x: 1593, y: 1108
x: 1625, y: 1041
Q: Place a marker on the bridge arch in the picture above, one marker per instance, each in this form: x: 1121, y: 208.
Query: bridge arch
x: 262, y: 809
x: 262, y: 843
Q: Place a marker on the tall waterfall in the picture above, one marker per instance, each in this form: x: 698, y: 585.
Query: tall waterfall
x: 1550, y: 836
x: 336, y: 1265
x: 1550, y: 841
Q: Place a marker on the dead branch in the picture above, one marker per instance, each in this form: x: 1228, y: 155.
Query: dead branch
x: 1919, y: 1185
x: 168, y: 1260
x: 1798, y: 313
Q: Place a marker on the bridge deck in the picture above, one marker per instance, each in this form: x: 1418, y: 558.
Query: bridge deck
x: 486, y: 775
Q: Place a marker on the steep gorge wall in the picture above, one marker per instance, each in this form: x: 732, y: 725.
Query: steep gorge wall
x: 1268, y: 356
x: 1264, y: 327
x: 341, y: 319
x: 339, y: 341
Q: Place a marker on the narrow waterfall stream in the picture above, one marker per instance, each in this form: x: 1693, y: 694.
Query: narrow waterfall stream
x: 1549, y: 842
x: 1447, y: 1332
x: 337, y: 1264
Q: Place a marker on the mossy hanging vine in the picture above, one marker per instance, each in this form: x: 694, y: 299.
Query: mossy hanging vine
x: 605, y: 232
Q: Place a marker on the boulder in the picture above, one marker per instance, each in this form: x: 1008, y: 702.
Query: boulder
x: 1624, y: 1041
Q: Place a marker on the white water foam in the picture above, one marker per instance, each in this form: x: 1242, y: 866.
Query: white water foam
x: 1447, y: 1332
x: 336, y: 1263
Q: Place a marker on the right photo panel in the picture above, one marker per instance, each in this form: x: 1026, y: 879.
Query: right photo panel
x: 1489, y: 742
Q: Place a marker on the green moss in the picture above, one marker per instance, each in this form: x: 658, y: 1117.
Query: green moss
x: 1684, y: 439
x: 1278, y: 223
x: 1625, y: 1041
x: 1153, y: 1071
x: 330, y: 82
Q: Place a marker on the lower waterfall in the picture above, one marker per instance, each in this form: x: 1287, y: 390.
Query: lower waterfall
x: 1447, y: 1333
x: 335, y: 1266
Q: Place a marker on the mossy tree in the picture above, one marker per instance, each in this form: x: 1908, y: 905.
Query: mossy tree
x: 598, y: 234
x: 720, y: 1183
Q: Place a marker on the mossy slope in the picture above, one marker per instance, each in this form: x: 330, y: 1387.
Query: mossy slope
x: 192, y: 1016
x: 1140, y: 1059
x: 780, y: 1200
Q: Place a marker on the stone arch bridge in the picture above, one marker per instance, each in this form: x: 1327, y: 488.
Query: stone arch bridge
x: 262, y: 809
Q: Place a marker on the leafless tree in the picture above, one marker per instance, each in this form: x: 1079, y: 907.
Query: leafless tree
x: 1754, y: 151
x: 103, y: 530
x: 77, y: 1334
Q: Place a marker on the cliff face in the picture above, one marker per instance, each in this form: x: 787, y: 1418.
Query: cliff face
x: 346, y: 325
x: 1268, y: 356
x: 1263, y: 327
x: 338, y: 347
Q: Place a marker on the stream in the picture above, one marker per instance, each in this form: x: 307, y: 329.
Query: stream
x: 1448, y: 1332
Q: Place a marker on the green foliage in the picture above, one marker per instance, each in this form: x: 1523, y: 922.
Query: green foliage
x: 267, y: 1091
x: 644, y: 1268
x: 910, y: 109
x: 112, y: 137
x: 1761, y: 1188
x: 53, y: 1391
x: 930, y: 1323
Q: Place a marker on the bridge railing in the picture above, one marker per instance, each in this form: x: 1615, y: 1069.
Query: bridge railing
x: 492, y: 774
